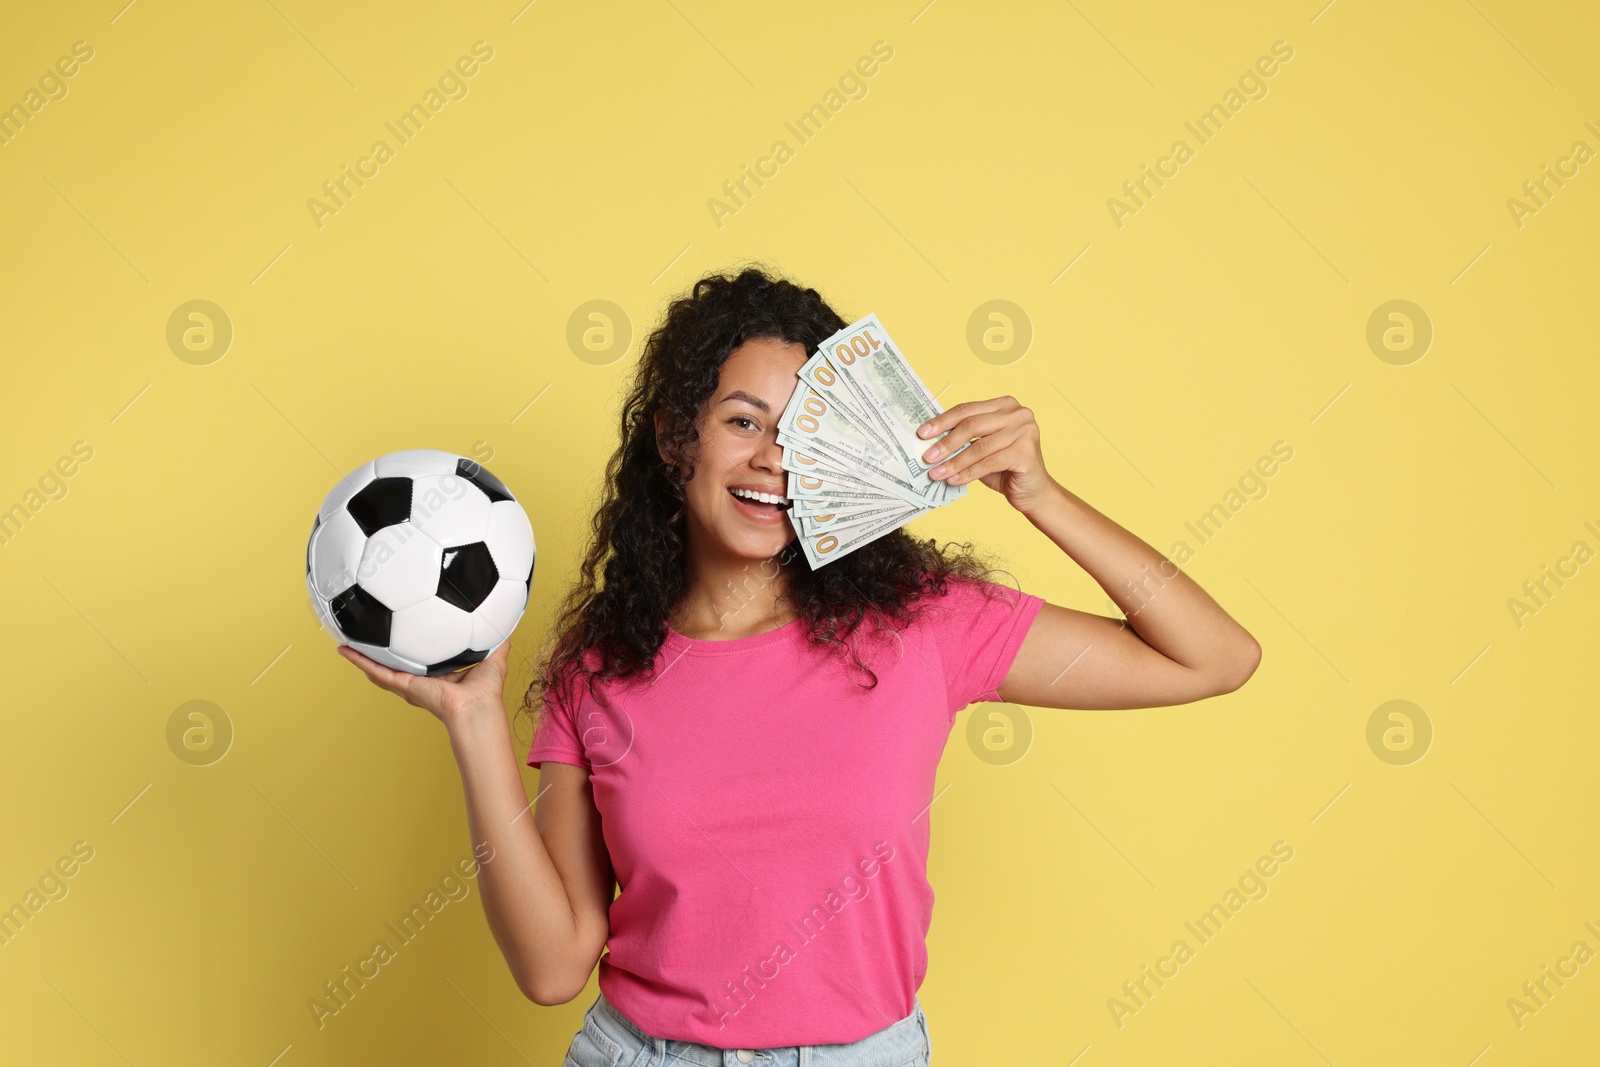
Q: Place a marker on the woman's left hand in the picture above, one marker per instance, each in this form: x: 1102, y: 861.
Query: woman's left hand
x: 1004, y: 453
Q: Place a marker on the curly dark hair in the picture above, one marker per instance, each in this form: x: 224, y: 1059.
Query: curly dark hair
x: 614, y: 619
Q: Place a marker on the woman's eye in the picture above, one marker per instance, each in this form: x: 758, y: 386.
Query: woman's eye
x: 742, y: 422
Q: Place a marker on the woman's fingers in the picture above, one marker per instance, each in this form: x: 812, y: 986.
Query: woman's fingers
x: 965, y: 430
x: 952, y: 415
x: 488, y: 672
x: 437, y: 695
x: 956, y: 413
x: 980, y: 455
x: 503, y: 653
x: 499, y: 658
x: 376, y: 673
x: 399, y: 683
x: 982, y: 466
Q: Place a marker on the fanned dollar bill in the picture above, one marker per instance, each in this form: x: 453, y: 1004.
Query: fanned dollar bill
x: 806, y: 471
x: 886, y: 390
x: 850, y: 444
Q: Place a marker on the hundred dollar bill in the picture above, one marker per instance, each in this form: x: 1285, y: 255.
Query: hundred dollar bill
x: 815, y: 421
x: 840, y: 462
x: 813, y: 425
x: 820, y: 375
x: 813, y: 479
x: 815, y: 508
x: 850, y: 447
x: 797, y: 462
x: 846, y: 518
x: 886, y: 389
x: 822, y: 547
x: 822, y: 505
x: 810, y: 480
x: 824, y: 378
x: 839, y: 477
x: 922, y: 490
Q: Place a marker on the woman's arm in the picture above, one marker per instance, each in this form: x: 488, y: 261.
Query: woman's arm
x: 1176, y: 645
x: 548, y: 892
x: 547, y: 882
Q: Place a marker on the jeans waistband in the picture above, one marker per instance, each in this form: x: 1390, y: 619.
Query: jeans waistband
x: 699, y: 1055
x: 602, y: 1004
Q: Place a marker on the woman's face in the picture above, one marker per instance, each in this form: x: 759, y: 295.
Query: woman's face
x: 738, y: 453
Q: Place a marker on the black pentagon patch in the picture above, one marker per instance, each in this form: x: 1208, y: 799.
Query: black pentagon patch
x: 381, y: 502
x: 492, y: 487
x: 361, y: 616
x: 456, y: 663
x: 468, y: 576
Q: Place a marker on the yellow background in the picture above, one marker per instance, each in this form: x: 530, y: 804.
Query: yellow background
x: 1227, y: 314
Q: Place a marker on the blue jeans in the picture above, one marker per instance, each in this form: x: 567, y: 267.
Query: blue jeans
x: 610, y: 1039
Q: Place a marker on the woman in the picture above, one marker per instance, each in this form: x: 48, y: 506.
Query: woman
x: 748, y: 746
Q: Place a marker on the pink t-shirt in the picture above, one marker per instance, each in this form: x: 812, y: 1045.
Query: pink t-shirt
x: 768, y: 820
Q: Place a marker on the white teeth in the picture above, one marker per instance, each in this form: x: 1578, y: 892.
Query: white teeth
x: 751, y: 494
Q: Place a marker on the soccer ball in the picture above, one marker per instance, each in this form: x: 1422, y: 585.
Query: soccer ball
x: 421, y: 560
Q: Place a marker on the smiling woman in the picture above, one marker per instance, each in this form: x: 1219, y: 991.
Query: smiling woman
x: 739, y: 458
x: 671, y: 535
x: 721, y: 752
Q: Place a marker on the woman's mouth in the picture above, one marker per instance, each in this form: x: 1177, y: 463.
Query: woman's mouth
x: 760, y: 506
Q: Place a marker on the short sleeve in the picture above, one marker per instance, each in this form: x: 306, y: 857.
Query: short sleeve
x: 977, y: 628
x: 556, y: 737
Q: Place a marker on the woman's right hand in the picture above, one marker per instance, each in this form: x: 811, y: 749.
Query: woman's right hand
x: 450, y: 697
